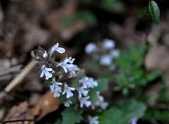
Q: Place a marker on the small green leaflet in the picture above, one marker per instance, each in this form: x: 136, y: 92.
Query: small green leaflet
x: 154, y: 11
x: 123, y: 114
x: 102, y: 84
x: 71, y: 116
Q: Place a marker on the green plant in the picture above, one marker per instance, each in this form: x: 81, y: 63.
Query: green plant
x: 131, y: 72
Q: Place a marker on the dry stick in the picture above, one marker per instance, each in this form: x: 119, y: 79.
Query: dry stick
x: 15, y: 121
x: 18, y: 80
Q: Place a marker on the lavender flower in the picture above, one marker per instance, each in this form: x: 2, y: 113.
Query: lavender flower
x: 93, y: 120
x: 84, y: 101
x: 72, y: 69
x: 46, y: 72
x: 90, y: 48
x: 56, y: 89
x: 108, y: 44
x: 134, y: 120
x: 68, y: 91
x: 68, y: 66
x: 100, y: 102
x: 106, y: 60
x: 56, y: 48
x: 88, y: 82
x: 45, y: 54
x: 82, y: 92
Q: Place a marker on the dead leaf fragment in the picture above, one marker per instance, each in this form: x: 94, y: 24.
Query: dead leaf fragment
x: 157, y: 58
x: 19, y: 112
x: 47, y: 104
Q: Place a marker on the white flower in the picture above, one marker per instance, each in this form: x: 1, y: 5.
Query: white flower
x: 56, y: 48
x: 46, y: 72
x: 45, y: 54
x: 93, y: 120
x: 72, y: 69
x: 55, y: 88
x: 68, y: 66
x: 114, y: 53
x: 88, y: 82
x: 134, y: 120
x: 90, y: 48
x: 106, y: 60
x: 100, y: 102
x: 84, y: 101
x: 108, y: 44
x: 67, y: 103
x: 82, y: 92
x: 68, y: 91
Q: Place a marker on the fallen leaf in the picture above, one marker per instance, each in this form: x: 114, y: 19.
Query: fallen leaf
x: 46, y: 104
x: 19, y: 114
x: 157, y: 58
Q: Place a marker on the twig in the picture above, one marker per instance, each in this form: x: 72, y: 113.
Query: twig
x: 14, y: 121
x: 18, y: 80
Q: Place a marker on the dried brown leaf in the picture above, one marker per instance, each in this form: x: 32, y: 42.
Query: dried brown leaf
x: 46, y: 104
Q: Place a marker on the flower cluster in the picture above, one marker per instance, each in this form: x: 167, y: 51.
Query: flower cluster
x: 68, y: 66
x: 85, y: 84
x: 107, y: 51
x: 60, y: 75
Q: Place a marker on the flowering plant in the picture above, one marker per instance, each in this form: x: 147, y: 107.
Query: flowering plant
x: 68, y: 82
x: 81, y: 94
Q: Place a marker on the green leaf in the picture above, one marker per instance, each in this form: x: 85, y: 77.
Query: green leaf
x: 156, y: 114
x: 93, y: 95
x: 84, y: 16
x: 131, y: 73
x: 135, y: 108
x: 154, y: 11
x: 113, y: 5
x: 71, y: 116
x: 123, y: 113
x: 153, y: 75
x: 102, y: 84
x: 112, y: 116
